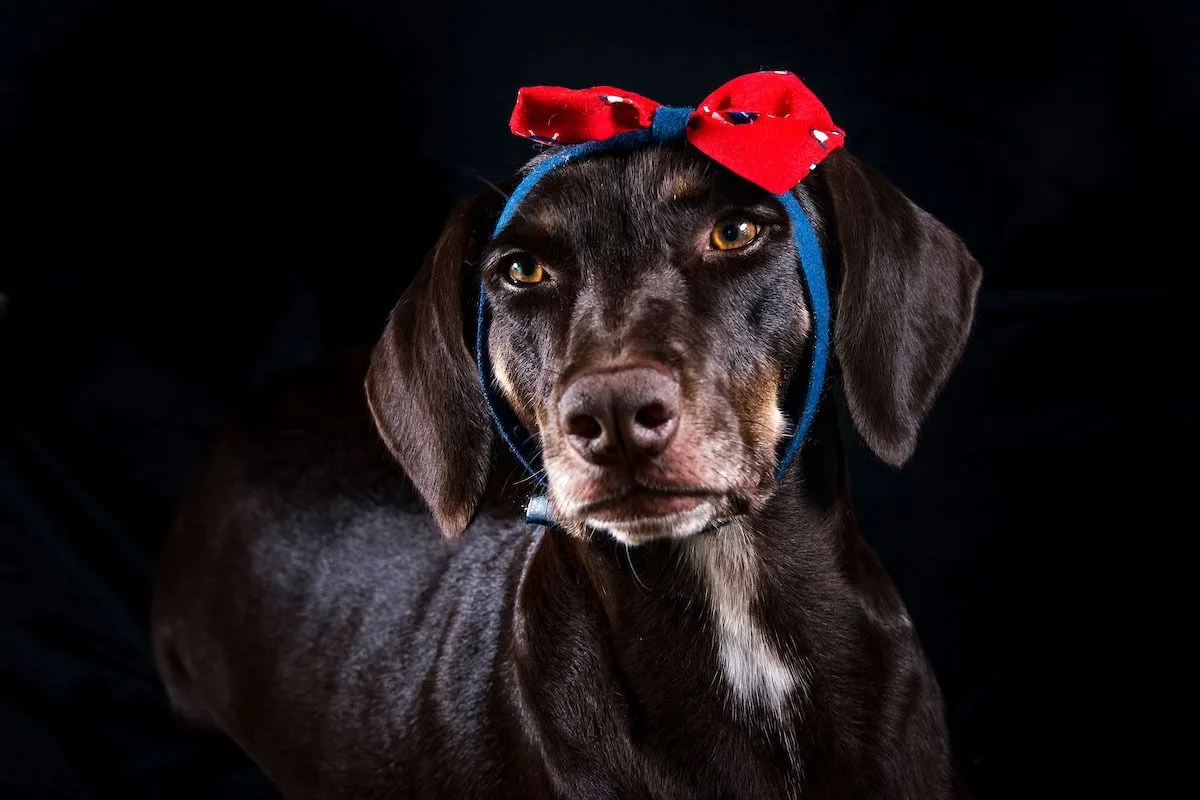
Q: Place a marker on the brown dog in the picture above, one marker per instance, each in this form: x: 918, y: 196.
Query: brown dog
x: 695, y: 628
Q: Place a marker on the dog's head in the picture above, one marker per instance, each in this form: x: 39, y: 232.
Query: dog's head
x: 647, y: 318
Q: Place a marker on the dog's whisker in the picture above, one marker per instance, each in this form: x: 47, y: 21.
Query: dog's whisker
x: 633, y: 570
x: 479, y: 177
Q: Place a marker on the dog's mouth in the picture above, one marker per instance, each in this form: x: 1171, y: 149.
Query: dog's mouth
x: 643, y: 502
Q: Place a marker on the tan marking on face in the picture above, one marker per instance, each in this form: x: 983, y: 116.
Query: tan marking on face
x: 683, y: 188
x: 508, y: 387
x: 546, y: 220
x: 757, y: 403
x: 526, y: 413
x: 778, y: 423
x: 504, y: 379
x: 805, y: 322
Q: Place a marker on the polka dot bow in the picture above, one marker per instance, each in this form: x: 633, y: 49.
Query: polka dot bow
x: 767, y: 127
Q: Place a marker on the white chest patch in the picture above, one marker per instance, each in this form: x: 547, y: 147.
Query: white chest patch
x: 753, y: 669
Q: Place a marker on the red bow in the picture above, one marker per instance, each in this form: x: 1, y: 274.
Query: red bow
x: 767, y: 127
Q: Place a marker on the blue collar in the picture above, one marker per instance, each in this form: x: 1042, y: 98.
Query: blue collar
x: 668, y: 126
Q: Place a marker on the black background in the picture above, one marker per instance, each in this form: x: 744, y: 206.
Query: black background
x: 198, y: 196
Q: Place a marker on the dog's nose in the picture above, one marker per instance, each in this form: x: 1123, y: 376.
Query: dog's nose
x: 631, y: 412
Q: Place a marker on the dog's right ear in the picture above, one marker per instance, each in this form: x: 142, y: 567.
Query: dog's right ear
x: 422, y: 386
x: 905, y: 307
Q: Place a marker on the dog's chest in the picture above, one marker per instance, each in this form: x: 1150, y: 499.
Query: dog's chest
x: 759, y: 678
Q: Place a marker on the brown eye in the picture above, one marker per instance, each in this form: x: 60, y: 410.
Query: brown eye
x: 732, y: 234
x: 524, y: 271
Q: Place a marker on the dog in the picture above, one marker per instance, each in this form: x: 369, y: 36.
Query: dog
x: 352, y: 591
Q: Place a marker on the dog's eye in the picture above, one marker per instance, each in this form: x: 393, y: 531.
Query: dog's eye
x: 524, y: 271
x: 732, y: 234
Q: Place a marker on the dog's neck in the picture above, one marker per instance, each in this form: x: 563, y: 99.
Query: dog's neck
x: 736, y: 588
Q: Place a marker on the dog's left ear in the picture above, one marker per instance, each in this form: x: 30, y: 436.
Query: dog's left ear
x: 422, y: 386
x: 904, y: 309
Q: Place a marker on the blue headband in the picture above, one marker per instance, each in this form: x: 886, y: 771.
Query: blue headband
x: 668, y: 126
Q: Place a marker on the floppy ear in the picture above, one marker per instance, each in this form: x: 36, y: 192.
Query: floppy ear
x: 906, y: 302
x: 422, y: 386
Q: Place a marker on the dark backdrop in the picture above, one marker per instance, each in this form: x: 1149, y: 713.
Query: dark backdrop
x: 198, y: 196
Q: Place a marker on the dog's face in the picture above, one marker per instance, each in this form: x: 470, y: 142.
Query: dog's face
x: 646, y: 310
x: 647, y: 316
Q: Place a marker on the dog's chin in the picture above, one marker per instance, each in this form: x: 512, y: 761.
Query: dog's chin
x: 674, y: 525
x: 642, y: 517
